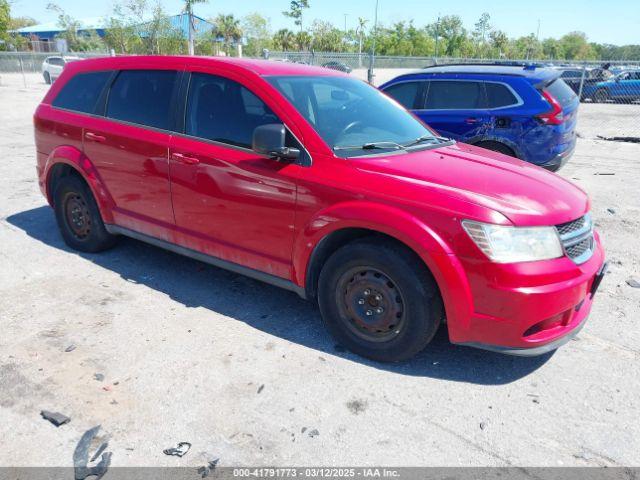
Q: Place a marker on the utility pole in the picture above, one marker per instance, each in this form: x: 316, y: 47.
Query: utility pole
x: 345, y: 22
x: 190, y: 29
x: 538, y: 33
x: 373, y: 46
x: 437, y: 33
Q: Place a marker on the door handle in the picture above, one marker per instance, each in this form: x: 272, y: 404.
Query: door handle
x: 471, y: 120
x: 187, y: 160
x: 94, y: 137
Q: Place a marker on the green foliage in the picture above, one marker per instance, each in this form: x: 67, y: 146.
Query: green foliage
x: 5, y: 23
x: 257, y: 32
x: 296, y: 11
x: 228, y: 28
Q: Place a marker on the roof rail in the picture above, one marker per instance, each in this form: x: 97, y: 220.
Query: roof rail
x: 497, y: 63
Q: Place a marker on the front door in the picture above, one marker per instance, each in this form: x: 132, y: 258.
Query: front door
x: 228, y: 201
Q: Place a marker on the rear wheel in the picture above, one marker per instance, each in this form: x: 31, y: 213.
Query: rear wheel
x: 497, y: 147
x: 601, y: 96
x: 47, y: 78
x: 378, y: 300
x: 78, y: 216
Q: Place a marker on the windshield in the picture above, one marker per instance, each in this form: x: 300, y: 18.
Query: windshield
x: 352, y: 117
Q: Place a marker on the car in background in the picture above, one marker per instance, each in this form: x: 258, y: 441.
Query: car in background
x: 53, y: 65
x: 526, y: 112
x: 624, y: 88
x: 339, y: 66
x: 573, y: 77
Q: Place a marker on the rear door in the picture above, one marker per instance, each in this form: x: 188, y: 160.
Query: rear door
x: 229, y: 201
x: 129, y: 146
x: 455, y: 108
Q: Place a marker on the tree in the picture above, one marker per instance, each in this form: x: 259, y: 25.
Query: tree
x: 284, y: 39
x: 188, y: 9
x: 5, y: 19
x: 227, y: 27
x: 362, y: 23
x: 21, y: 22
x: 576, y: 47
x: 257, y: 31
x: 453, y: 33
x: 499, y: 42
x: 482, y: 29
x: 296, y: 10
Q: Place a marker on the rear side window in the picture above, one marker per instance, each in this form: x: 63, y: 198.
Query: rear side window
x: 499, y: 95
x: 454, y: 95
x: 561, y: 92
x: 142, y: 97
x: 81, y: 92
x: 405, y: 93
x: 224, y: 111
x: 57, y: 61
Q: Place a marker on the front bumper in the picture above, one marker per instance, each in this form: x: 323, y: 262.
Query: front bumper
x: 528, y: 309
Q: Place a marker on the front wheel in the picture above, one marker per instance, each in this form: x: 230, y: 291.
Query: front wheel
x: 47, y: 78
x: 378, y: 299
x: 601, y: 96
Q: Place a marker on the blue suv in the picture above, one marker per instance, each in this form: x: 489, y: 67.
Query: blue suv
x: 526, y: 111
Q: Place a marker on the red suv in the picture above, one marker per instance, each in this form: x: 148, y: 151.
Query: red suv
x: 317, y: 182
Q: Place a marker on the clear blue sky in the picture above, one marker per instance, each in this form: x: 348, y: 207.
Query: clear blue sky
x: 614, y: 21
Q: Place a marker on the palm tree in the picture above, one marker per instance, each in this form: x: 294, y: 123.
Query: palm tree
x: 285, y: 39
x: 227, y: 27
x: 362, y: 22
x: 188, y: 9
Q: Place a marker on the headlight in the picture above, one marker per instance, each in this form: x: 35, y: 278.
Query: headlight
x: 504, y: 244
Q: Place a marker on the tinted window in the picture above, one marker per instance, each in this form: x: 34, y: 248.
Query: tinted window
x: 349, y: 114
x: 142, y: 97
x: 499, y: 95
x: 454, y: 95
x: 405, y: 93
x: 561, y: 91
x: 571, y: 74
x: 81, y: 92
x: 57, y: 61
x: 222, y: 110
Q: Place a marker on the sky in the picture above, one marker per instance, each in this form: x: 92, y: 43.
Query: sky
x: 616, y: 21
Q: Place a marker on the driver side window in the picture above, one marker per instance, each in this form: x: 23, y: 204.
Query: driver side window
x: 222, y: 110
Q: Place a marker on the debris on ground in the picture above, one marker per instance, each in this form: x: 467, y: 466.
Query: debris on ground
x: 55, y: 417
x: 611, y: 211
x: 632, y: 282
x: 205, y: 470
x: 70, y: 348
x: 101, y: 449
x: 260, y: 388
x: 620, y: 139
x: 357, y: 406
x: 81, y: 457
x: 179, y: 450
x: 314, y: 433
x: 604, y: 173
x: 98, y: 376
x: 483, y: 425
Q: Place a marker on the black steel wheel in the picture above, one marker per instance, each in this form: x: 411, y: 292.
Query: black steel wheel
x: 379, y: 300
x: 78, y: 216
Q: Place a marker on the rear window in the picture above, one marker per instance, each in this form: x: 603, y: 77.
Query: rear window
x: 81, y: 92
x: 561, y: 92
x: 454, y: 95
x: 57, y: 61
x: 142, y: 97
x: 405, y: 93
x: 499, y: 95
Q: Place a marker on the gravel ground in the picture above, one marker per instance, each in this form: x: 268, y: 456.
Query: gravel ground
x: 247, y: 373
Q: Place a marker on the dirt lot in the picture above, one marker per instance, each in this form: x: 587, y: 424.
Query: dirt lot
x: 246, y: 372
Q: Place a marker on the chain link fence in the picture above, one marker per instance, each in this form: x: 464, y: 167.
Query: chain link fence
x: 609, y: 90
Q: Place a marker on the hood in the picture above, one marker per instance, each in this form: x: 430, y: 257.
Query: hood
x: 524, y: 193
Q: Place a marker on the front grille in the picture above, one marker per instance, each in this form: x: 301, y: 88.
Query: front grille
x: 577, y: 238
x: 569, y: 227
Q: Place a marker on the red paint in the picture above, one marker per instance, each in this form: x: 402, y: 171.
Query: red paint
x: 242, y: 207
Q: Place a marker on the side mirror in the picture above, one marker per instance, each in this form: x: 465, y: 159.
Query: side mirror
x: 269, y: 140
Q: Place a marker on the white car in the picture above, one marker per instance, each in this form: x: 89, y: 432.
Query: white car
x: 52, y: 67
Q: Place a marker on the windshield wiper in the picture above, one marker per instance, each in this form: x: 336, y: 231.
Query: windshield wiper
x: 427, y: 138
x: 371, y: 146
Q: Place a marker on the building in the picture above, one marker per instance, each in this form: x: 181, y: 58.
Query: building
x: 44, y: 36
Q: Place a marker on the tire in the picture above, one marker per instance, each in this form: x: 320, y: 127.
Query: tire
x: 497, y: 147
x: 379, y: 300
x: 47, y: 78
x: 78, y: 216
x: 601, y: 96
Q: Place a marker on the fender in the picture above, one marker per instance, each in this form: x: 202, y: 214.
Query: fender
x: 77, y: 160
x: 438, y: 256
